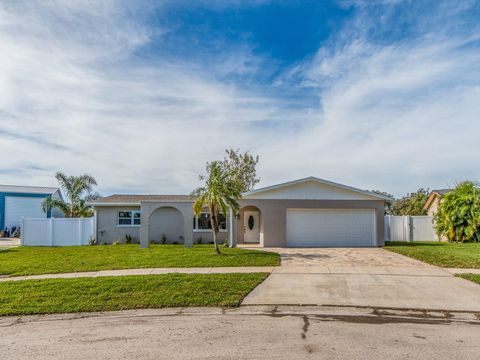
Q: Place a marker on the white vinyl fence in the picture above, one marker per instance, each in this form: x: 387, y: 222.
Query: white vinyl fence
x: 409, y: 228
x: 57, y: 232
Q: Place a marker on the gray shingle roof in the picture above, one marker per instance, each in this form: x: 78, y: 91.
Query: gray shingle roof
x: 135, y: 199
x: 441, y: 191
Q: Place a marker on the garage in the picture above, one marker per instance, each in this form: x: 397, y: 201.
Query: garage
x: 17, y: 207
x: 330, y: 227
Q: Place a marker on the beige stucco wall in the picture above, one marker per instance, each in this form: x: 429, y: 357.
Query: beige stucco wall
x: 273, y: 215
x: 432, y: 210
x: 107, y: 229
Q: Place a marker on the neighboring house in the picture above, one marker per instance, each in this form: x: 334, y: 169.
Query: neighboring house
x: 306, y: 212
x: 17, y: 202
x: 431, y: 206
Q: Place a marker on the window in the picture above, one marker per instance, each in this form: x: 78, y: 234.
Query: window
x: 202, y: 222
x: 128, y: 218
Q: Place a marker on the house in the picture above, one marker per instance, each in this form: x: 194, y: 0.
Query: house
x: 17, y: 202
x: 431, y: 206
x: 309, y: 212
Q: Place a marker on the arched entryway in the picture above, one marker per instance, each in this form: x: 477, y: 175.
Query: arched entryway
x: 250, y: 225
x: 166, y: 223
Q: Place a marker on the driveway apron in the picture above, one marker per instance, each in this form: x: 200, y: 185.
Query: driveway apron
x: 371, y: 277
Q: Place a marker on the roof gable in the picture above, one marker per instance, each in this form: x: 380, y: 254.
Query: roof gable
x: 313, y: 188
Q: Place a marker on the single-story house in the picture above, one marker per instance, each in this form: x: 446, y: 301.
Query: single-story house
x: 431, y: 206
x: 309, y: 212
x: 17, y: 202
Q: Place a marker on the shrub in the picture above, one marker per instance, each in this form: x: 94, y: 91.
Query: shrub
x: 199, y: 240
x: 116, y: 242
x: 458, y: 215
x: 164, y: 239
x: 92, y: 240
x: 128, y: 239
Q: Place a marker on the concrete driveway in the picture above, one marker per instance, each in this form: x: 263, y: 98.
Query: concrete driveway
x: 9, y: 242
x: 362, y: 277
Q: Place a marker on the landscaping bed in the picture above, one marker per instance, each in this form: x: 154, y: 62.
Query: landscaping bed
x: 53, y: 260
x: 126, y: 292
x: 466, y: 255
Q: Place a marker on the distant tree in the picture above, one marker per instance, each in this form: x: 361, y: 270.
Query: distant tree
x: 388, y: 204
x: 458, y: 215
x: 241, y: 168
x: 411, y: 204
x: 78, y: 190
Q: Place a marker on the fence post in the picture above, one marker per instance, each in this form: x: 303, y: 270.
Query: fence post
x: 51, y: 225
x: 80, y: 231
x: 390, y: 231
x: 22, y: 231
x: 409, y: 228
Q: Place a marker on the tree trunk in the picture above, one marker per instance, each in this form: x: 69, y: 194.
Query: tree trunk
x: 214, y: 223
x: 215, y: 243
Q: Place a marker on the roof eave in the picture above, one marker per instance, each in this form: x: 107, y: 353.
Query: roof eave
x: 113, y: 204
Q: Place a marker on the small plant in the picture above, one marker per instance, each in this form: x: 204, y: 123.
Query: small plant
x: 175, y: 242
x: 128, y: 239
x: 152, y: 242
x: 199, y: 240
x: 164, y: 239
x: 92, y: 240
x: 116, y: 242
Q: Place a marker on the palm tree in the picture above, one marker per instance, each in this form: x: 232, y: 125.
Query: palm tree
x: 78, y: 190
x: 220, y: 192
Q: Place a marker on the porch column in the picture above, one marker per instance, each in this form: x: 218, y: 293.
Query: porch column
x: 187, y: 226
x: 144, y: 225
x: 232, y: 240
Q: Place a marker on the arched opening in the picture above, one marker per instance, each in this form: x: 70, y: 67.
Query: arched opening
x: 166, y: 226
x: 250, y: 224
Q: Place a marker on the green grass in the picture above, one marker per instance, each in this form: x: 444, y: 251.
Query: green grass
x: 44, y: 260
x: 466, y: 255
x: 125, y: 292
x: 472, y: 277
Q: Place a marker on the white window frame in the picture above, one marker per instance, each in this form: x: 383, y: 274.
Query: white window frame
x: 197, y: 230
x: 132, y: 219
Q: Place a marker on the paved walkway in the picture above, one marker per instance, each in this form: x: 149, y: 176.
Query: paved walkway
x: 147, y: 271
x: 362, y: 277
x: 9, y: 242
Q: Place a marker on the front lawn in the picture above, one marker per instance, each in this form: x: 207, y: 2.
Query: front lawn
x: 472, y: 277
x: 124, y: 292
x: 466, y: 255
x: 44, y: 260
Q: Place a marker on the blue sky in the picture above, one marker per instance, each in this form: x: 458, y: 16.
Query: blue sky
x: 380, y: 94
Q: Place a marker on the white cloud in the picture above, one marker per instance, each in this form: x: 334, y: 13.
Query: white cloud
x: 75, y: 96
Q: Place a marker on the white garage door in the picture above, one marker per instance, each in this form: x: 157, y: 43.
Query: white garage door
x: 330, y: 227
x: 18, y: 207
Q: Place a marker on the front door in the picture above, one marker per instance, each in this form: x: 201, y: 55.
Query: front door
x: 251, y: 227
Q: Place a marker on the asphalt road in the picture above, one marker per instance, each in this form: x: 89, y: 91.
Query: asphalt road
x: 244, y: 333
